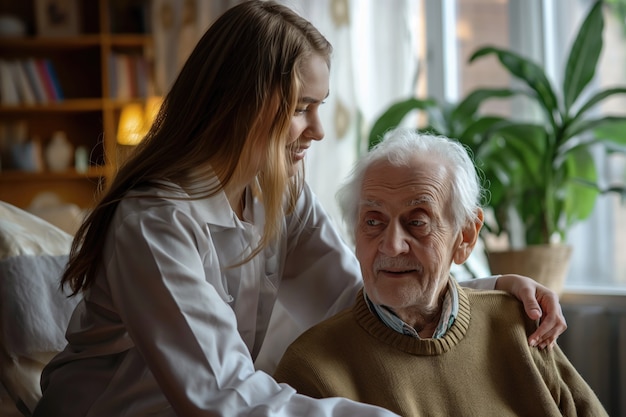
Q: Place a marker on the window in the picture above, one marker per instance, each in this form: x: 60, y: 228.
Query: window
x: 603, y: 238
x: 467, y: 24
x: 481, y: 23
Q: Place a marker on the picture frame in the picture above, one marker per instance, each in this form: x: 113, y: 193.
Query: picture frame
x: 57, y: 17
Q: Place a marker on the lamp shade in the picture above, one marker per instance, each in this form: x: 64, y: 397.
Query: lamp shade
x: 130, y: 130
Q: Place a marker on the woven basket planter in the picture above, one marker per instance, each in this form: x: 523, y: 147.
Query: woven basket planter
x: 546, y: 264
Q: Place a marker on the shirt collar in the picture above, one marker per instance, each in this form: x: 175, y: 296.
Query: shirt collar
x: 449, y: 312
x: 214, y: 210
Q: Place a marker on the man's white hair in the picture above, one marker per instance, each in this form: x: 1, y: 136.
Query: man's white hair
x: 398, y: 147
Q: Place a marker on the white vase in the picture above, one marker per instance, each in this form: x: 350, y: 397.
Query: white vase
x: 81, y: 159
x: 59, y: 152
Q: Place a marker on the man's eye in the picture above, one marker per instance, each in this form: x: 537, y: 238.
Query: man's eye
x: 372, y: 222
x: 417, y: 223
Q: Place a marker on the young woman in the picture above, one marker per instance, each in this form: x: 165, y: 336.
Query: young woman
x: 205, y: 229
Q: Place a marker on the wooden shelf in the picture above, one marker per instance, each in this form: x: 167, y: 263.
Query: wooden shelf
x: 14, y: 176
x: 69, y: 105
x: 127, y: 40
x: 89, y: 110
x: 31, y: 43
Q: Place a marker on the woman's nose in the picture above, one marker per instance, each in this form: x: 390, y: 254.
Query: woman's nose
x: 315, y: 130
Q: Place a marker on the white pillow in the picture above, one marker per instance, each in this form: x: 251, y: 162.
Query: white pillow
x: 22, y: 233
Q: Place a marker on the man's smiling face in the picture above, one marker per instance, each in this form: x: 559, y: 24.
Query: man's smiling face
x: 405, y: 236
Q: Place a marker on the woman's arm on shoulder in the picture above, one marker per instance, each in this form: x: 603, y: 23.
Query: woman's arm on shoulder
x: 540, y: 303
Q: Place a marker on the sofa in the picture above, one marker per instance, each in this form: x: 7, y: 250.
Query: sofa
x: 34, y: 310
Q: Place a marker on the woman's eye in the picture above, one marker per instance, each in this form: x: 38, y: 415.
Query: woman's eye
x: 417, y: 223
x: 301, y: 111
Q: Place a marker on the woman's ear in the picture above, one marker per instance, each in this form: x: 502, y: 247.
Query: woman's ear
x: 469, y: 237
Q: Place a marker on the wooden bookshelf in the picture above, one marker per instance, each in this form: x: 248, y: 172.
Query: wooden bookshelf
x: 89, y: 111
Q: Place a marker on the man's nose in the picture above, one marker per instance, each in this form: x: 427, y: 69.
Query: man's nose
x: 395, y: 240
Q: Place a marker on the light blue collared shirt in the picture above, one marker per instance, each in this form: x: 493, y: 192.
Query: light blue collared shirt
x: 449, y: 312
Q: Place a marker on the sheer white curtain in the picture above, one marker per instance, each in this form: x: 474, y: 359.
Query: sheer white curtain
x: 177, y: 25
x: 374, y: 63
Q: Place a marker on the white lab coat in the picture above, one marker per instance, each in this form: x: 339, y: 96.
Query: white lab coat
x: 168, y: 329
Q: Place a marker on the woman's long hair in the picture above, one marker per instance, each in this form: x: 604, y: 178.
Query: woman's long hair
x: 236, y: 94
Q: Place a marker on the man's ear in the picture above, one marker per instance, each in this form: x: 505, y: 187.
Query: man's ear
x: 469, y: 237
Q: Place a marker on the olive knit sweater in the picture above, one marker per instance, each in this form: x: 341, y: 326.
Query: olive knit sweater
x: 483, y: 365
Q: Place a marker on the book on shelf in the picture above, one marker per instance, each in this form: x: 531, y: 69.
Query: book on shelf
x: 58, y: 92
x: 29, y: 81
x: 112, y: 64
x: 46, y: 79
x: 32, y: 73
x: 129, y: 76
x: 142, y: 74
x: 9, y: 95
x: 24, y: 89
x: 123, y: 89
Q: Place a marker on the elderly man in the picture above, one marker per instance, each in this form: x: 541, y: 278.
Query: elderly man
x: 416, y: 342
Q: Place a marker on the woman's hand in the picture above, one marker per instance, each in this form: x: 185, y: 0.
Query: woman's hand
x: 540, y: 303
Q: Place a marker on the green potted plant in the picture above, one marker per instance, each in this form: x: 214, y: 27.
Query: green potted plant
x: 542, y: 173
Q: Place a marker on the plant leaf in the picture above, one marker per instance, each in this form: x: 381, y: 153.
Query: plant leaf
x: 580, y: 190
x: 528, y: 72
x: 601, y: 125
x: 583, y: 56
x: 394, y: 115
x: 523, y: 152
x: 476, y: 133
x: 612, y: 130
x: 597, y: 98
x: 440, y: 119
x: 470, y: 104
